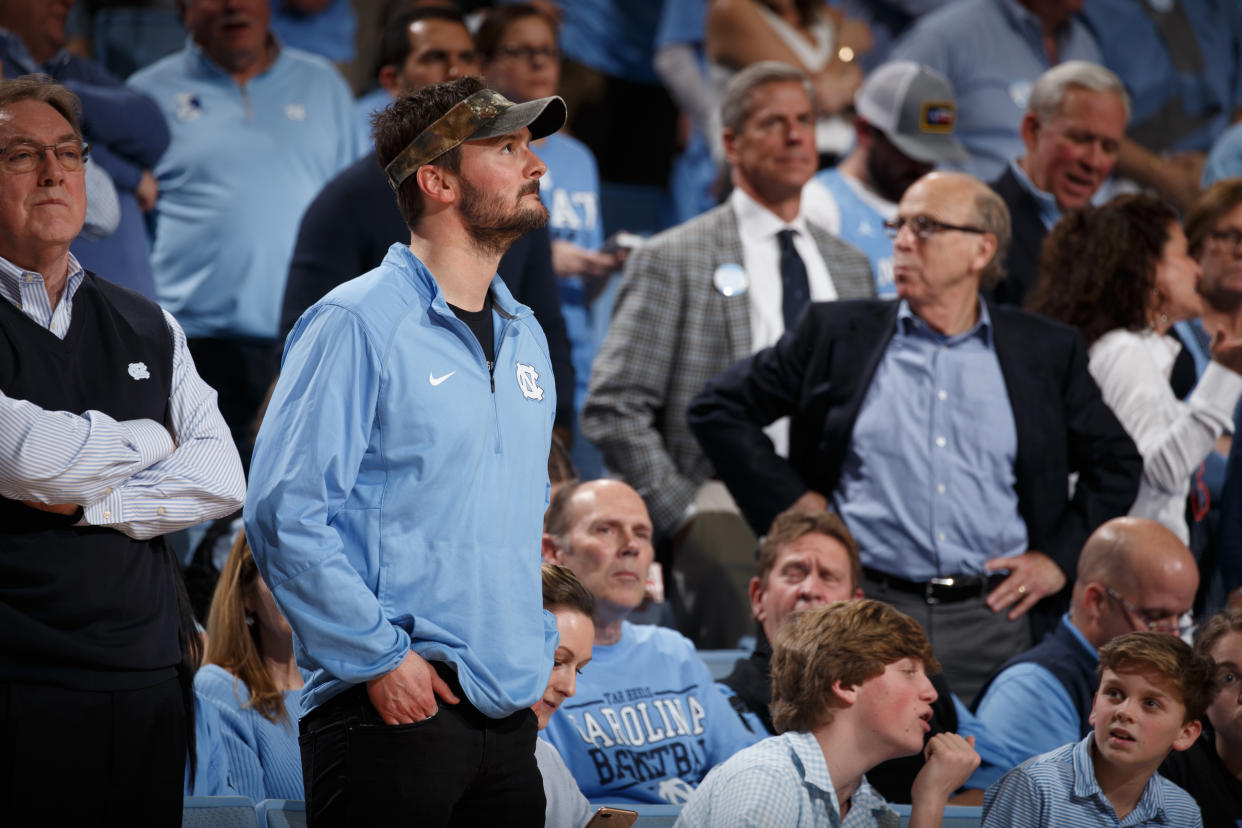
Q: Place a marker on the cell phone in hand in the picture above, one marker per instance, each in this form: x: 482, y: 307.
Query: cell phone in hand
x: 607, y: 817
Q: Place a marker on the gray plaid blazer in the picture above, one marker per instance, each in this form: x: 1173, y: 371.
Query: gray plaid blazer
x: 671, y: 332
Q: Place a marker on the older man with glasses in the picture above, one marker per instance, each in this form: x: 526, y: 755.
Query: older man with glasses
x: 1133, y: 575
x: 108, y: 440
x: 941, y: 428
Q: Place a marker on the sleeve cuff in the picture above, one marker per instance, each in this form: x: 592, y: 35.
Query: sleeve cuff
x: 152, y: 440
x: 1218, y: 391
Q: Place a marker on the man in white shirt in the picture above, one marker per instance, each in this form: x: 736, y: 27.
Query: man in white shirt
x: 694, y: 300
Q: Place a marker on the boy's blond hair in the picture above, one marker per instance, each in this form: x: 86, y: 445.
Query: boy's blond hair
x: 847, y: 641
x: 1168, y: 656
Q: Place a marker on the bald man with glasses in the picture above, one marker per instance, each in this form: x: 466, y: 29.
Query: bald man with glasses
x: 1133, y: 575
x: 941, y: 428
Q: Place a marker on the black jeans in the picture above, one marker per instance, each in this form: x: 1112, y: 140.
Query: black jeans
x: 76, y: 757
x: 458, y: 768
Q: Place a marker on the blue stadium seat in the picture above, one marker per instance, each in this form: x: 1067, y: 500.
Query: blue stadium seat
x: 281, y: 813
x: 955, y: 816
x: 218, y: 812
x: 721, y: 662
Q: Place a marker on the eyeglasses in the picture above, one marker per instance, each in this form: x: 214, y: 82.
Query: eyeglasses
x: 1156, y: 620
x: 24, y: 156
x: 529, y: 52
x: 1229, y: 238
x: 924, y: 227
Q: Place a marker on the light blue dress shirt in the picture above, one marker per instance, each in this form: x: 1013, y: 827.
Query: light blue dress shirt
x: 992, y: 52
x: 927, y: 486
x: 1058, y: 790
x: 1005, y: 709
x: 781, y: 781
x: 1046, y: 203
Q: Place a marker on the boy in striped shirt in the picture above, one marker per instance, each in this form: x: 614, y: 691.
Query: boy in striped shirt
x: 1153, y: 692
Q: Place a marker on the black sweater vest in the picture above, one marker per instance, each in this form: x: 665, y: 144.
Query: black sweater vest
x: 87, y: 608
x: 1062, y: 654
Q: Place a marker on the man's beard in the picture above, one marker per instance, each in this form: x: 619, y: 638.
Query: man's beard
x: 492, y: 229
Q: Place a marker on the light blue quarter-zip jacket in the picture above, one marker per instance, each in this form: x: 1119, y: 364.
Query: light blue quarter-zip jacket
x: 397, y: 489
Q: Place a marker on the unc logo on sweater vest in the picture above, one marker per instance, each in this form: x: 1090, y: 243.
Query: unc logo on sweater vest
x: 138, y: 370
x: 526, y: 376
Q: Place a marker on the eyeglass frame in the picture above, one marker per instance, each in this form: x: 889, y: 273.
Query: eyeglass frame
x: 1230, y: 237
x: 924, y: 227
x: 1144, y: 615
x: 83, y: 147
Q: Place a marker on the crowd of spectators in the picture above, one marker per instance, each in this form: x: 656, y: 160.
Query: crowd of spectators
x: 896, y: 342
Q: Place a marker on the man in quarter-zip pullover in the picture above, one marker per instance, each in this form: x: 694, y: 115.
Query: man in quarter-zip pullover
x: 400, y: 478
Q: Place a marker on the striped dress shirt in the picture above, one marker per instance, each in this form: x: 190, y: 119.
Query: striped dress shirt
x: 1058, y: 790
x: 133, y: 476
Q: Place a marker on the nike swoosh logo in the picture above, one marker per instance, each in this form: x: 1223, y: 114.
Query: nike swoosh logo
x: 434, y: 380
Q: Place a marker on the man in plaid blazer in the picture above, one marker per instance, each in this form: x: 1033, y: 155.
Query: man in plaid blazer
x: 694, y: 300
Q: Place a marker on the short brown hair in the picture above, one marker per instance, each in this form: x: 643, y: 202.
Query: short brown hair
x: 42, y: 88
x: 846, y: 641
x: 1213, y: 630
x: 404, y: 120
x: 1211, y: 205
x: 563, y: 590
x: 993, y: 217
x: 795, y: 523
x: 1192, y: 674
x: 498, y: 18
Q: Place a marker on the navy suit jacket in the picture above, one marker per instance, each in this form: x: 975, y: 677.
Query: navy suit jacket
x: 819, y: 373
x: 1022, y: 261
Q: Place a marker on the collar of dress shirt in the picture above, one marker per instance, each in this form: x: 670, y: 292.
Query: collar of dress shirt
x: 1046, y: 203
x: 909, y: 323
x: 12, y: 277
x: 757, y: 223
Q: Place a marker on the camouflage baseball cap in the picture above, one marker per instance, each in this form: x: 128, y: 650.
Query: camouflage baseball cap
x: 485, y: 114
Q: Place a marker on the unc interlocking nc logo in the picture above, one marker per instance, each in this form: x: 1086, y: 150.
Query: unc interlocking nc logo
x: 526, y: 376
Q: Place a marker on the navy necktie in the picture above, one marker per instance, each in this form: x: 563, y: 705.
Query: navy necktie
x: 795, y: 289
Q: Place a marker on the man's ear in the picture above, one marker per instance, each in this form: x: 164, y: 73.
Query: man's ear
x: 551, y: 553
x: 1190, y: 732
x: 756, y: 598
x: 847, y: 694
x: 436, y: 183
x: 985, y: 249
x: 1029, y: 130
x: 389, y: 79
x: 1091, y: 718
x: 729, y: 139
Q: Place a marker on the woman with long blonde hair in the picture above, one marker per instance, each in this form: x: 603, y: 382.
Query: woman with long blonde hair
x: 251, y: 678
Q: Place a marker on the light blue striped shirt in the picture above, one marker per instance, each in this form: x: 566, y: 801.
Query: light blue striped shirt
x: 130, y: 475
x: 1058, y: 790
x: 927, y: 485
x: 781, y: 781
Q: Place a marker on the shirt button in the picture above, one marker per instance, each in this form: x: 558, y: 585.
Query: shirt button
x: 941, y: 536
x: 107, y: 491
x: 940, y: 441
x: 107, y: 514
x: 942, y: 394
x: 940, y: 488
x: 160, y: 511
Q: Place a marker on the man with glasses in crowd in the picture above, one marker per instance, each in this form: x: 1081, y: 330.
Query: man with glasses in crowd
x: 108, y: 440
x: 1133, y: 575
x: 942, y: 429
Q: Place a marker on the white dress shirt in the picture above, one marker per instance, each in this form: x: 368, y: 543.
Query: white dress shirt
x: 761, y: 257
x: 1174, y: 437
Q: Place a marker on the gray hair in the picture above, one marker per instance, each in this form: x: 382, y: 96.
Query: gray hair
x: 994, y: 218
x: 1052, y: 86
x: 735, y: 105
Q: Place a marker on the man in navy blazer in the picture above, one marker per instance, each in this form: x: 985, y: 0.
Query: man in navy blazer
x: 942, y: 429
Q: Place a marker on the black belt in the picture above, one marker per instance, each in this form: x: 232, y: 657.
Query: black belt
x: 945, y: 590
